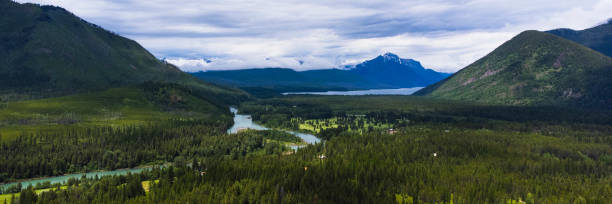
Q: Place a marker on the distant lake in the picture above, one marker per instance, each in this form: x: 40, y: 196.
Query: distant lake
x: 400, y: 91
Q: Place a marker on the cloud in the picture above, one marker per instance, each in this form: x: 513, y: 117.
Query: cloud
x: 444, y: 35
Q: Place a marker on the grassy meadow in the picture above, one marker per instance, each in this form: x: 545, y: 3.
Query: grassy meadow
x: 354, y: 123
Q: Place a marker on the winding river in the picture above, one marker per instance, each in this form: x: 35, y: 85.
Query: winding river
x: 240, y: 122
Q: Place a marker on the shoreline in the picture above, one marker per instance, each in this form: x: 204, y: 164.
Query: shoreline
x: 150, y: 166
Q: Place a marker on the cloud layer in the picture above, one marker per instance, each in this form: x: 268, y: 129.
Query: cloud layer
x: 233, y: 34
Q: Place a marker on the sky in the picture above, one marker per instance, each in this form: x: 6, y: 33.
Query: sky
x: 444, y: 35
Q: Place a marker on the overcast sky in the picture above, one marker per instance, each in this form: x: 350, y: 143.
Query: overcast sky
x: 445, y: 35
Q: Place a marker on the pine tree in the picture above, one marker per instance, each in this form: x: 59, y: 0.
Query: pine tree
x: 28, y: 196
x: 134, y: 187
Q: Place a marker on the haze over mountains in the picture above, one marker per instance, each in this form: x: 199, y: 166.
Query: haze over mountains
x: 384, y: 71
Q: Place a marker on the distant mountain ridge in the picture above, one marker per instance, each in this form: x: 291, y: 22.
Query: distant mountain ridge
x: 598, y: 38
x: 533, y: 68
x: 384, y: 71
x: 395, y: 71
x: 46, y: 51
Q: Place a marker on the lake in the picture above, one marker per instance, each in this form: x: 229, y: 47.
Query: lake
x: 243, y: 122
x: 400, y: 91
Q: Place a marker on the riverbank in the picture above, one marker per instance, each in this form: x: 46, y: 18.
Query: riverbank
x: 63, y: 178
x: 242, y: 122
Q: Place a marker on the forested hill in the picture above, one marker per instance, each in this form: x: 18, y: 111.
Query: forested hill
x: 47, y: 51
x: 384, y: 71
x: 533, y: 68
x: 283, y: 79
x: 598, y: 38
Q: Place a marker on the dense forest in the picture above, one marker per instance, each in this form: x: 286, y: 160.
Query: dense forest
x: 439, y: 152
x: 469, y: 167
x: 89, y: 149
x: 531, y: 122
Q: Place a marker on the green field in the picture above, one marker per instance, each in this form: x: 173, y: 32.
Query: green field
x: 354, y: 123
x: 7, y: 197
x: 146, y: 185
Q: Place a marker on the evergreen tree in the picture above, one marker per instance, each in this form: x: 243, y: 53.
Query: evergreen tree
x: 28, y: 196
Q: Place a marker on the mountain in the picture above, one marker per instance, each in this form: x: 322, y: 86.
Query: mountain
x: 598, y: 38
x: 398, y: 72
x: 289, y: 79
x: 46, y: 51
x: 533, y: 68
x: 385, y: 71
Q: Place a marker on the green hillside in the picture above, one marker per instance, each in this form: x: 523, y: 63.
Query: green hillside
x: 533, y: 68
x: 117, y: 107
x: 46, y: 51
x: 598, y: 38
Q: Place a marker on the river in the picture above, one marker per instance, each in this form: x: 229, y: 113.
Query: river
x: 64, y: 178
x: 242, y: 122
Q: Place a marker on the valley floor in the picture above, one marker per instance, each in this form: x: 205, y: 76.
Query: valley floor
x: 375, y: 149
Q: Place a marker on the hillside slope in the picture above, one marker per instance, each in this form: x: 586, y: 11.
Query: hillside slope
x: 46, y: 51
x: 533, y: 68
x: 598, y: 38
x: 140, y: 104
